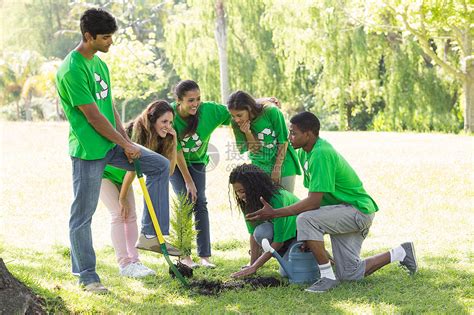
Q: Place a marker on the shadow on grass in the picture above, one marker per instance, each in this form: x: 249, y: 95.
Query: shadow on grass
x: 441, y: 286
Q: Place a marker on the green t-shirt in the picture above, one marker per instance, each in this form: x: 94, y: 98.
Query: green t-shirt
x: 326, y: 171
x: 211, y: 115
x: 283, y: 228
x: 114, y: 174
x: 80, y: 81
x: 270, y: 129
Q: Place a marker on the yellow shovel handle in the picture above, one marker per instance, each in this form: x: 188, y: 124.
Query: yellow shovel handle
x: 151, y: 210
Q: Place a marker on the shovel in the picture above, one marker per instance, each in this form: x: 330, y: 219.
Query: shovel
x: 154, y: 220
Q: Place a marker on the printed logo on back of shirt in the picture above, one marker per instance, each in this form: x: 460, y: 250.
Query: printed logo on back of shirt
x: 191, y: 144
x: 267, y: 138
x: 104, y: 88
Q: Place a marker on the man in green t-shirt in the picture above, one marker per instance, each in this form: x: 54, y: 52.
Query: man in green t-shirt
x: 97, y: 138
x: 337, y: 204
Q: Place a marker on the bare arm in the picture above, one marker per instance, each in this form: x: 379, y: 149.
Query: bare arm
x: 252, y: 143
x: 258, y: 263
x: 281, y: 154
x: 254, y: 249
x: 127, y: 182
x: 266, y: 100
x: 123, y: 201
x: 183, y: 167
x: 119, y: 125
x: 105, y: 128
x: 174, y: 156
x: 312, y: 202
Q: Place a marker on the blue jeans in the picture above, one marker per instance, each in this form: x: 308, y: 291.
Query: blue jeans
x: 201, y: 215
x: 87, y: 178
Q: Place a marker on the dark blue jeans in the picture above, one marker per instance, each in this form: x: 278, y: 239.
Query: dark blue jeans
x: 87, y: 178
x: 201, y: 215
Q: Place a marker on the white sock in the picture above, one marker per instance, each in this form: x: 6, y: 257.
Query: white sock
x: 326, y: 271
x: 397, y: 254
x: 150, y: 236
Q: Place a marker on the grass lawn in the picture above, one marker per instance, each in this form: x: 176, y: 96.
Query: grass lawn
x: 423, y: 184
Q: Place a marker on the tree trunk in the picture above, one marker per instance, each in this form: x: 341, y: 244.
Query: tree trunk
x: 28, y: 108
x: 59, y: 111
x: 15, y: 297
x: 124, y: 110
x: 221, y: 39
x: 18, y: 110
x: 468, y: 97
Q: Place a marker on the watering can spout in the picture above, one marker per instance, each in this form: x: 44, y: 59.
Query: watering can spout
x: 284, y: 264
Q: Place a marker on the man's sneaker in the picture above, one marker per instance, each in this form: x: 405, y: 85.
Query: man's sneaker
x: 322, y: 285
x: 96, y: 287
x: 410, y: 259
x: 144, y: 270
x: 152, y: 244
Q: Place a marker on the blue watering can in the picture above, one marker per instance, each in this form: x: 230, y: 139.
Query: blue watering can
x: 301, y: 267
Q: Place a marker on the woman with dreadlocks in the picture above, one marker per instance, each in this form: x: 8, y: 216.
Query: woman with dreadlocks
x: 250, y: 183
x: 152, y: 129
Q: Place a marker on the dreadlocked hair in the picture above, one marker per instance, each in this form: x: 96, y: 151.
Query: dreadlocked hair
x: 142, y: 130
x: 256, y: 183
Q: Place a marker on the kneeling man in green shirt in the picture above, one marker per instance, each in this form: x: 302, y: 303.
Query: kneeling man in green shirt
x: 337, y: 204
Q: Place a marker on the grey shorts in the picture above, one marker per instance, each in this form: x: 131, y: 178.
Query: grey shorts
x: 347, y: 228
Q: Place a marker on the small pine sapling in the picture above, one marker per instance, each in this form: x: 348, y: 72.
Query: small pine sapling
x: 182, y: 224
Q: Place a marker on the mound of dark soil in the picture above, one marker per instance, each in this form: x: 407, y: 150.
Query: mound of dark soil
x: 266, y: 282
x: 186, y: 271
x: 15, y: 297
x: 210, y: 287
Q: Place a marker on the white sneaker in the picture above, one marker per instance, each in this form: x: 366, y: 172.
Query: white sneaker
x: 144, y: 270
x: 206, y: 263
x: 131, y: 271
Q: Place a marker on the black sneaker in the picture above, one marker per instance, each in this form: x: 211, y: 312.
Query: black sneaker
x: 322, y: 285
x: 410, y: 259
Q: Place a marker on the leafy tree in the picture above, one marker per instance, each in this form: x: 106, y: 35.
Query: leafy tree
x: 445, y: 32
x: 135, y: 73
x: 15, y: 70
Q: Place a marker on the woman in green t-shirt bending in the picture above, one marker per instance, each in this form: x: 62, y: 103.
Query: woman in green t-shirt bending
x: 250, y: 183
x: 261, y: 130
x: 153, y: 129
x: 195, y: 121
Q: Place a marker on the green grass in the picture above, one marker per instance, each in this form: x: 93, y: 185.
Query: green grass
x: 423, y: 184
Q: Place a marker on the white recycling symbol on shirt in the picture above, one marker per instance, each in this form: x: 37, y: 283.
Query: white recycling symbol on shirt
x: 196, y: 145
x: 305, y: 167
x: 105, y: 88
x: 269, y: 133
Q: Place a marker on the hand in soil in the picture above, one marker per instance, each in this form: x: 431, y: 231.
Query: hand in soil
x: 244, y: 272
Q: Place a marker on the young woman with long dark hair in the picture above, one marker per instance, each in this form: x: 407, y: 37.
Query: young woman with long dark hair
x: 153, y: 129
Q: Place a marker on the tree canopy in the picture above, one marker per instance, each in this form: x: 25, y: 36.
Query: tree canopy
x: 360, y: 65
